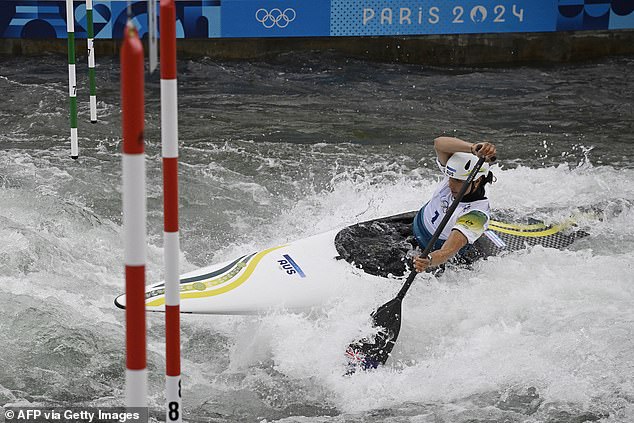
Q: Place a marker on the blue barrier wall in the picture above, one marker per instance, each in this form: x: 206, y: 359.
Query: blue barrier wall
x: 318, y: 18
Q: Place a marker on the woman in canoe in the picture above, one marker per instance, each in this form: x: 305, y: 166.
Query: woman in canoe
x: 456, y: 159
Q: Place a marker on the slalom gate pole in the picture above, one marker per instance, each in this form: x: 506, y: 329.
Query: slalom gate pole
x: 152, y: 35
x: 169, y: 137
x: 134, y: 209
x: 91, y: 61
x: 72, y: 79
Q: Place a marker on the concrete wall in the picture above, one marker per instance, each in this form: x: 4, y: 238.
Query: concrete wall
x: 460, y: 49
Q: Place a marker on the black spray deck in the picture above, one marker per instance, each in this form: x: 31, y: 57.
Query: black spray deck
x: 383, y: 247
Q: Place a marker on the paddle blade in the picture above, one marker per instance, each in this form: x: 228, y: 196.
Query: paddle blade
x: 367, y: 353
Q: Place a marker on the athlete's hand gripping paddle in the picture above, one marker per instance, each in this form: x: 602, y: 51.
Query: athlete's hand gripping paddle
x: 370, y: 353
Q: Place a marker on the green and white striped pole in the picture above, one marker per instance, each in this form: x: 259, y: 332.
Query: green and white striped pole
x: 91, y: 62
x: 72, y: 79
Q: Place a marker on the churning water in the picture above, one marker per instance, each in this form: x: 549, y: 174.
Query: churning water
x: 276, y: 151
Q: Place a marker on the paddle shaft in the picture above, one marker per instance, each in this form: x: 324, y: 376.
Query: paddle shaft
x: 441, y: 226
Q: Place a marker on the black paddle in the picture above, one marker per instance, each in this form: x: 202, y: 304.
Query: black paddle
x: 369, y: 354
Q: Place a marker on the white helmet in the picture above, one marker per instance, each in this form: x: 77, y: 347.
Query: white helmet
x: 460, y: 165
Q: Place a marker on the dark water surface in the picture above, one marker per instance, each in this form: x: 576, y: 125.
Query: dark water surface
x: 276, y: 151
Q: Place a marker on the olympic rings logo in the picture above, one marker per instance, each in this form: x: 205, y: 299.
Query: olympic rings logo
x: 275, y: 17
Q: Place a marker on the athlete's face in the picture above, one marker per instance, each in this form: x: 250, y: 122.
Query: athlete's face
x: 455, y: 185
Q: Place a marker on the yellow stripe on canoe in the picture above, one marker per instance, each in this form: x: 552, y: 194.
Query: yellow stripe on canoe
x: 233, y: 285
x: 516, y: 226
x: 531, y: 233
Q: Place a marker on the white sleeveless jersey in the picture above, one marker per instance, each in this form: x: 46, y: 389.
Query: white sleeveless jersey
x: 471, y: 219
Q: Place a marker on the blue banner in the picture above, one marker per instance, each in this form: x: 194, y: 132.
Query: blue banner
x: 317, y: 18
x: 575, y: 15
x: 275, y: 18
x: 47, y: 19
x: 407, y: 17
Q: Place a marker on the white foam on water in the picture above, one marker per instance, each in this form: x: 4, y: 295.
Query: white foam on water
x: 559, y: 321
x: 525, y: 189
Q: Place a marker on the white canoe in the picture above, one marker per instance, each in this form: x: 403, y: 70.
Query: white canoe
x: 298, y: 275
x: 310, y: 271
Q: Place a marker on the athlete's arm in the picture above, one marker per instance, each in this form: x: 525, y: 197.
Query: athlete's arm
x: 449, y: 249
x: 446, y: 146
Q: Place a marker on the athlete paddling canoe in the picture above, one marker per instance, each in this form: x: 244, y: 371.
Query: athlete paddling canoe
x: 456, y: 158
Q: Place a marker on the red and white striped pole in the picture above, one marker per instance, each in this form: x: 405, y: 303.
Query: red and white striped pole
x: 169, y: 136
x: 134, y: 208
